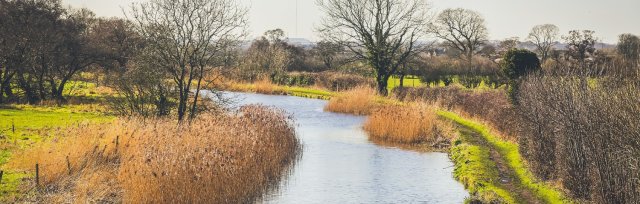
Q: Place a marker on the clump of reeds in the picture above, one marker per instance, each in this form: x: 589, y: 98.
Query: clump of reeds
x: 491, y: 106
x: 359, y: 101
x: 224, y: 158
x: 417, y: 124
x: 265, y: 86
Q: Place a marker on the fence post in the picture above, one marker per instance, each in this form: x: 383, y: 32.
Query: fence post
x: 117, y: 142
x: 37, y: 175
x: 68, y: 165
x: 1, y: 173
x: 13, y: 126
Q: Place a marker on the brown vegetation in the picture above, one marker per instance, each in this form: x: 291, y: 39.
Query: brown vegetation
x: 359, y: 101
x: 265, y: 86
x: 491, y: 106
x: 334, y: 81
x: 223, y: 158
x: 585, y: 133
x: 408, y: 125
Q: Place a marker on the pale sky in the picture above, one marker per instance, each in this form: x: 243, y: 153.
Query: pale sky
x: 504, y: 18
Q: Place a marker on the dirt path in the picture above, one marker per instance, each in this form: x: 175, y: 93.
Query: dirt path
x: 508, y: 179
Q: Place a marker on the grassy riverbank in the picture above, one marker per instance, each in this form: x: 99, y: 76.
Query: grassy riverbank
x: 216, y: 158
x: 23, y: 127
x: 514, y: 174
x: 266, y: 87
x: 85, y: 154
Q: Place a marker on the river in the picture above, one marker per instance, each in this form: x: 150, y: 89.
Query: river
x: 340, y: 165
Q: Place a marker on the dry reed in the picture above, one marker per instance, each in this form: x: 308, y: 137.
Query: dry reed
x: 226, y: 158
x: 416, y: 124
x: 265, y: 86
x: 359, y: 101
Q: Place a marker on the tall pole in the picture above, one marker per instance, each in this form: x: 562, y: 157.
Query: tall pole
x: 297, y: 34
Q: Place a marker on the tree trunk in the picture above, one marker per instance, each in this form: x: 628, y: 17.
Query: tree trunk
x: 469, y: 60
x: 194, y: 106
x: 6, y: 87
x: 382, y: 84
x: 182, y: 103
x: 25, y: 85
x: 402, y: 75
x: 1, y: 92
x: 184, y: 86
x: 58, y: 94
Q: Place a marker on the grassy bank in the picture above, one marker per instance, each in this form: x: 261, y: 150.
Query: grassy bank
x: 227, y: 157
x: 477, y: 172
x: 24, y: 126
x: 86, y: 155
x: 266, y: 87
x: 509, y: 152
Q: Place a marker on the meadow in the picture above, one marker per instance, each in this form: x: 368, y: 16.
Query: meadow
x: 23, y: 126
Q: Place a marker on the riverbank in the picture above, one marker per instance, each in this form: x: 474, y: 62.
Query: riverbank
x: 84, y: 153
x: 490, y: 167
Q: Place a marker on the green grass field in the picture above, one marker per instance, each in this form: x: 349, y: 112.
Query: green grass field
x: 22, y: 126
x: 409, y: 81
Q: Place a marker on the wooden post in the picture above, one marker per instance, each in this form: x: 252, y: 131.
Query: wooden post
x: 37, y: 175
x: 13, y: 126
x: 117, y: 141
x: 1, y: 173
x: 68, y: 165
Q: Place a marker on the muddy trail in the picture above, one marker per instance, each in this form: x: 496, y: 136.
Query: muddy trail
x: 507, y: 176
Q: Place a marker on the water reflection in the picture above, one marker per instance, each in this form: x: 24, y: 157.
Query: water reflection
x: 340, y: 165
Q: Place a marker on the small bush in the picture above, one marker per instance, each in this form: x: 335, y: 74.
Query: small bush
x: 516, y: 64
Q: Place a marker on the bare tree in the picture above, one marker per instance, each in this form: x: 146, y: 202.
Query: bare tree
x: 185, y: 37
x: 329, y: 53
x: 381, y: 32
x: 266, y: 55
x: 629, y: 48
x: 544, y: 37
x: 581, y: 45
x: 508, y: 44
x: 461, y: 29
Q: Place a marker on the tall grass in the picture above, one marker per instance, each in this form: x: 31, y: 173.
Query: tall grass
x: 224, y: 158
x: 360, y: 101
x: 408, y: 125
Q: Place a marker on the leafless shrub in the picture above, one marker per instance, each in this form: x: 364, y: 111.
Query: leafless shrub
x: 492, y: 106
x: 583, y: 131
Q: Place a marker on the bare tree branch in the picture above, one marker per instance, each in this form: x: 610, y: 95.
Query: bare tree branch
x: 383, y: 33
x: 186, y: 36
x: 461, y: 29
